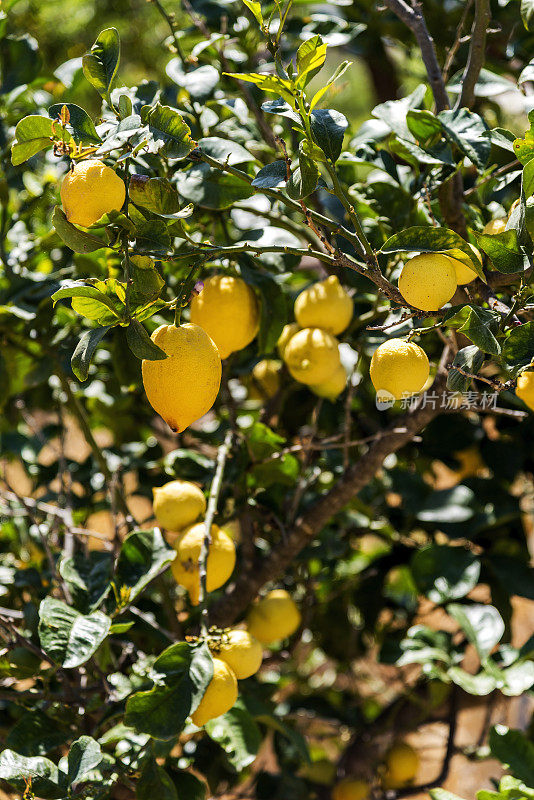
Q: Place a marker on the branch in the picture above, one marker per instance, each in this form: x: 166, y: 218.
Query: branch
x: 413, y: 18
x: 395, y: 436
x: 477, y: 53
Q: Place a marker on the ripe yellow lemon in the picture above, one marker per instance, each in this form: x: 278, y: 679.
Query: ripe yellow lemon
x: 90, y: 190
x: 241, y: 651
x: 428, y: 281
x: 287, y: 332
x: 182, y: 387
x: 399, y: 368
x: 332, y: 388
x: 274, y: 617
x: 495, y: 225
x: 220, y: 695
x: 324, y: 305
x: 351, y: 789
x: 402, y: 763
x: 525, y: 389
x: 265, y: 381
x: 464, y: 273
x: 178, y: 504
x: 228, y: 311
x: 312, y: 356
x: 186, y: 566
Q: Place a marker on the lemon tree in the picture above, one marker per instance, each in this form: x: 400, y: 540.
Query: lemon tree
x: 266, y: 430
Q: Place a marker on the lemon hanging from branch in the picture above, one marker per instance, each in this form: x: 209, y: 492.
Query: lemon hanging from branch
x: 91, y: 190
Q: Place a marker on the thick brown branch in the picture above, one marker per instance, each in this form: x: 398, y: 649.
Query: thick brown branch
x: 477, y: 53
x: 395, y: 436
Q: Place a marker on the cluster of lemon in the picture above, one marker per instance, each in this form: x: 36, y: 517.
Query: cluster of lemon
x: 309, y: 346
x: 237, y: 653
x: 398, y: 771
x: 429, y: 280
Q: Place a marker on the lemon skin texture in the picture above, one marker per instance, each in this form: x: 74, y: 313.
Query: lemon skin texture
x: 228, y: 311
x: 288, y: 331
x: 465, y: 274
x: 324, y: 305
x: 332, y: 388
x: 495, y: 226
x: 242, y: 652
x: 399, y: 367
x: 525, y: 389
x: 182, y: 387
x: 219, y: 696
x: 178, y: 504
x: 428, y: 281
x: 312, y: 356
x: 273, y: 618
x: 90, y: 190
x: 186, y: 566
x: 265, y: 381
x: 350, y: 789
x: 402, y: 763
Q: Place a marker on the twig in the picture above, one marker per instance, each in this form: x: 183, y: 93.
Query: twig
x: 451, y: 55
x: 477, y: 54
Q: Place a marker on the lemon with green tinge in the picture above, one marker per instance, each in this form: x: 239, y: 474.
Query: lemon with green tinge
x: 525, y: 388
x: 495, y: 226
x: 312, y: 356
x: 228, y: 311
x: 219, y: 696
x: 351, y: 789
x: 402, y: 763
x: 178, y: 504
x: 428, y: 281
x: 324, y: 305
x: 274, y: 617
x: 399, y: 368
x: 91, y: 190
x: 332, y: 388
x: 265, y: 381
x: 241, y: 651
x: 186, y: 566
x: 288, y: 331
x: 464, y: 273
x: 183, y: 387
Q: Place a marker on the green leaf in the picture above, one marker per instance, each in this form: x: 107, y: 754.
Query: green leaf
x: 211, y: 188
x: 482, y: 625
x: 16, y: 770
x: 20, y: 60
x: 238, y: 735
x: 147, y: 283
x: 162, y: 711
x: 154, y: 782
x: 84, y: 755
x: 445, y: 573
x: 503, y: 250
x: 524, y: 148
x: 141, y: 344
x: 479, y: 685
x: 36, y: 733
x: 80, y: 124
x: 428, y: 239
x: 519, y: 678
x: 319, y: 94
x: 170, y: 135
x: 32, y: 135
x: 518, y: 347
x: 423, y: 125
x: 469, y: 359
x: 477, y: 327
x: 77, y: 240
x: 328, y: 129
x: 90, y: 301
x: 85, y: 350
x: 311, y: 56
x: 305, y: 182
x: 268, y: 83
x: 199, y: 82
x: 271, y: 176
x: 157, y: 195
x: 88, y: 578
x: 465, y: 129
x: 448, y: 506
x: 225, y: 150
x: 68, y: 637
x: 255, y: 7
x: 100, y: 65
x: 443, y: 794
x: 144, y: 554
x: 527, y: 15
x: 515, y: 750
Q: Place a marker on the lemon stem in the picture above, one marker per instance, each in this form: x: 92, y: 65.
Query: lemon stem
x: 215, y: 490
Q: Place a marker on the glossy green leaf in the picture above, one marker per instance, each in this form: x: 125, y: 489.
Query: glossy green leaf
x: 211, y: 188
x: 518, y: 347
x: 311, y: 56
x: 84, y: 755
x: 85, y: 350
x: 155, y: 782
x: 514, y: 749
x: 68, y: 637
x: 469, y: 360
x: 238, y: 735
x: 272, y: 176
x: 170, y: 135
x: 80, y: 124
x: 445, y: 573
x: 141, y: 344
x: 482, y: 625
x: 503, y: 250
x: 16, y: 769
x: 100, y: 65
x: 77, y: 240
x: 32, y: 134
x: 428, y: 239
x: 328, y: 128
x: 144, y: 554
x: 479, y: 327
